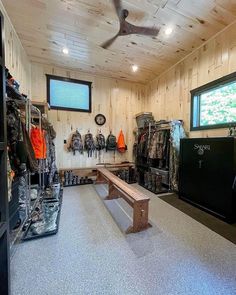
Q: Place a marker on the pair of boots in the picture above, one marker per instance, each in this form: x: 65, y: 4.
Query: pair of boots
x: 153, y: 182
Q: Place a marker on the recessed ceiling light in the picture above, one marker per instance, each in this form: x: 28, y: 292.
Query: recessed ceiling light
x: 65, y: 50
x: 168, y: 31
x: 134, y: 68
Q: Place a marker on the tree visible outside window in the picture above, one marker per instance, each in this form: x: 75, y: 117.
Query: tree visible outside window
x: 214, y: 105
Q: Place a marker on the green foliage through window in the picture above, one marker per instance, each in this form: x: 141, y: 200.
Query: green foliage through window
x: 218, y: 106
x: 214, y: 105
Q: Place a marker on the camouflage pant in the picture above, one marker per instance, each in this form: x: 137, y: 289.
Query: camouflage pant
x: 177, y: 132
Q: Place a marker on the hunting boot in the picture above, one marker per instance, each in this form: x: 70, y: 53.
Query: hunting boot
x: 66, y: 178
x: 150, y: 181
x: 167, y: 164
x: 146, y: 179
x: 127, y: 176
x: 124, y: 175
x: 158, y: 183
x: 138, y: 177
x: 153, y: 182
x: 56, y: 178
x: 70, y: 176
x: 160, y: 166
x: 131, y: 174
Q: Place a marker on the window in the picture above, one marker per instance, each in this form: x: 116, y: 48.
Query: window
x: 214, y: 105
x: 68, y: 94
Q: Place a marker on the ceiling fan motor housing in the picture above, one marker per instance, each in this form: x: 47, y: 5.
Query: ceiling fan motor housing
x: 125, y: 13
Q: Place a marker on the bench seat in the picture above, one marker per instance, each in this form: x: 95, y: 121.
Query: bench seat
x: 136, y: 199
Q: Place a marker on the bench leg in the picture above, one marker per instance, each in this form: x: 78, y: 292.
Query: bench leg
x: 100, y: 179
x: 112, y: 192
x: 140, y: 217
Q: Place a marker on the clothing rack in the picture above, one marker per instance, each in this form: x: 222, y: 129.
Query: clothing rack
x: 34, y: 112
x: 27, y: 111
x: 4, y: 210
x: 14, y: 235
x: 30, y: 111
x: 149, y: 160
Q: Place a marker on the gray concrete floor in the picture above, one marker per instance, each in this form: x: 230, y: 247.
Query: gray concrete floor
x: 91, y: 255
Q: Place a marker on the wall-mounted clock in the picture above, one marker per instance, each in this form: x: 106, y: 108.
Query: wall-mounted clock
x: 100, y: 119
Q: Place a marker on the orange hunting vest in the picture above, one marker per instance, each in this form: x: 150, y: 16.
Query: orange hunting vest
x: 37, y: 138
x: 121, y: 146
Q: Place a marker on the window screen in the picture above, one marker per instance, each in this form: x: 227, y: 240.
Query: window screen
x: 68, y: 94
x: 214, y: 105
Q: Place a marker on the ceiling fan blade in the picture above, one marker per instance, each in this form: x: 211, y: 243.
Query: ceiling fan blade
x: 118, y: 7
x: 108, y: 43
x: 127, y: 28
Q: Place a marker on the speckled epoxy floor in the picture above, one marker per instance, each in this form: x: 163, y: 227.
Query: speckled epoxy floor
x: 91, y: 255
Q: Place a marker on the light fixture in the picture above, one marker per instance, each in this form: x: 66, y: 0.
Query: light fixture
x: 65, y: 50
x: 134, y: 68
x: 168, y: 31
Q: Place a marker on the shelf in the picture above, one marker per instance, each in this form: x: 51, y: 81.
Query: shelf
x: 28, y: 236
x: 15, y: 95
x: 78, y: 184
x: 163, y: 191
x: 3, y: 228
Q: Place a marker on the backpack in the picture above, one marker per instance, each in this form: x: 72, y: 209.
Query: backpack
x: 121, y: 146
x: 111, y: 143
x: 89, y: 144
x: 76, y: 143
x: 100, y: 142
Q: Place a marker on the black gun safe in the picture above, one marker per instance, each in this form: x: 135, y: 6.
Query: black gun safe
x: 207, y: 175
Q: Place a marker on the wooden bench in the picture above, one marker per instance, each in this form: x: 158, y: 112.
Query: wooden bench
x: 120, y: 189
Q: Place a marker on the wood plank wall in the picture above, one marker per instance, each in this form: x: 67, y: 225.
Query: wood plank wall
x: 168, y: 96
x: 118, y: 100
x: 16, y: 59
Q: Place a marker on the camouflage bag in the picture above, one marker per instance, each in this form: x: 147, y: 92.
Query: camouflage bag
x: 76, y: 143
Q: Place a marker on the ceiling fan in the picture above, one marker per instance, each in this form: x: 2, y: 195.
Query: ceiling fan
x: 126, y: 28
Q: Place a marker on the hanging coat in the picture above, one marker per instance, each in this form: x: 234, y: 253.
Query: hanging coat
x: 31, y: 159
x: 121, y: 146
x: 37, y: 138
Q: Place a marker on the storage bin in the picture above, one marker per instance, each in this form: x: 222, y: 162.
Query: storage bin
x: 163, y: 173
x: 144, y: 118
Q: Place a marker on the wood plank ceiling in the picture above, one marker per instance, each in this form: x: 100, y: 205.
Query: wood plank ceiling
x: 45, y: 27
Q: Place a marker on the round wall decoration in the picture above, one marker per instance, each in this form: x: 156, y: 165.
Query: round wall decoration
x: 100, y: 119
